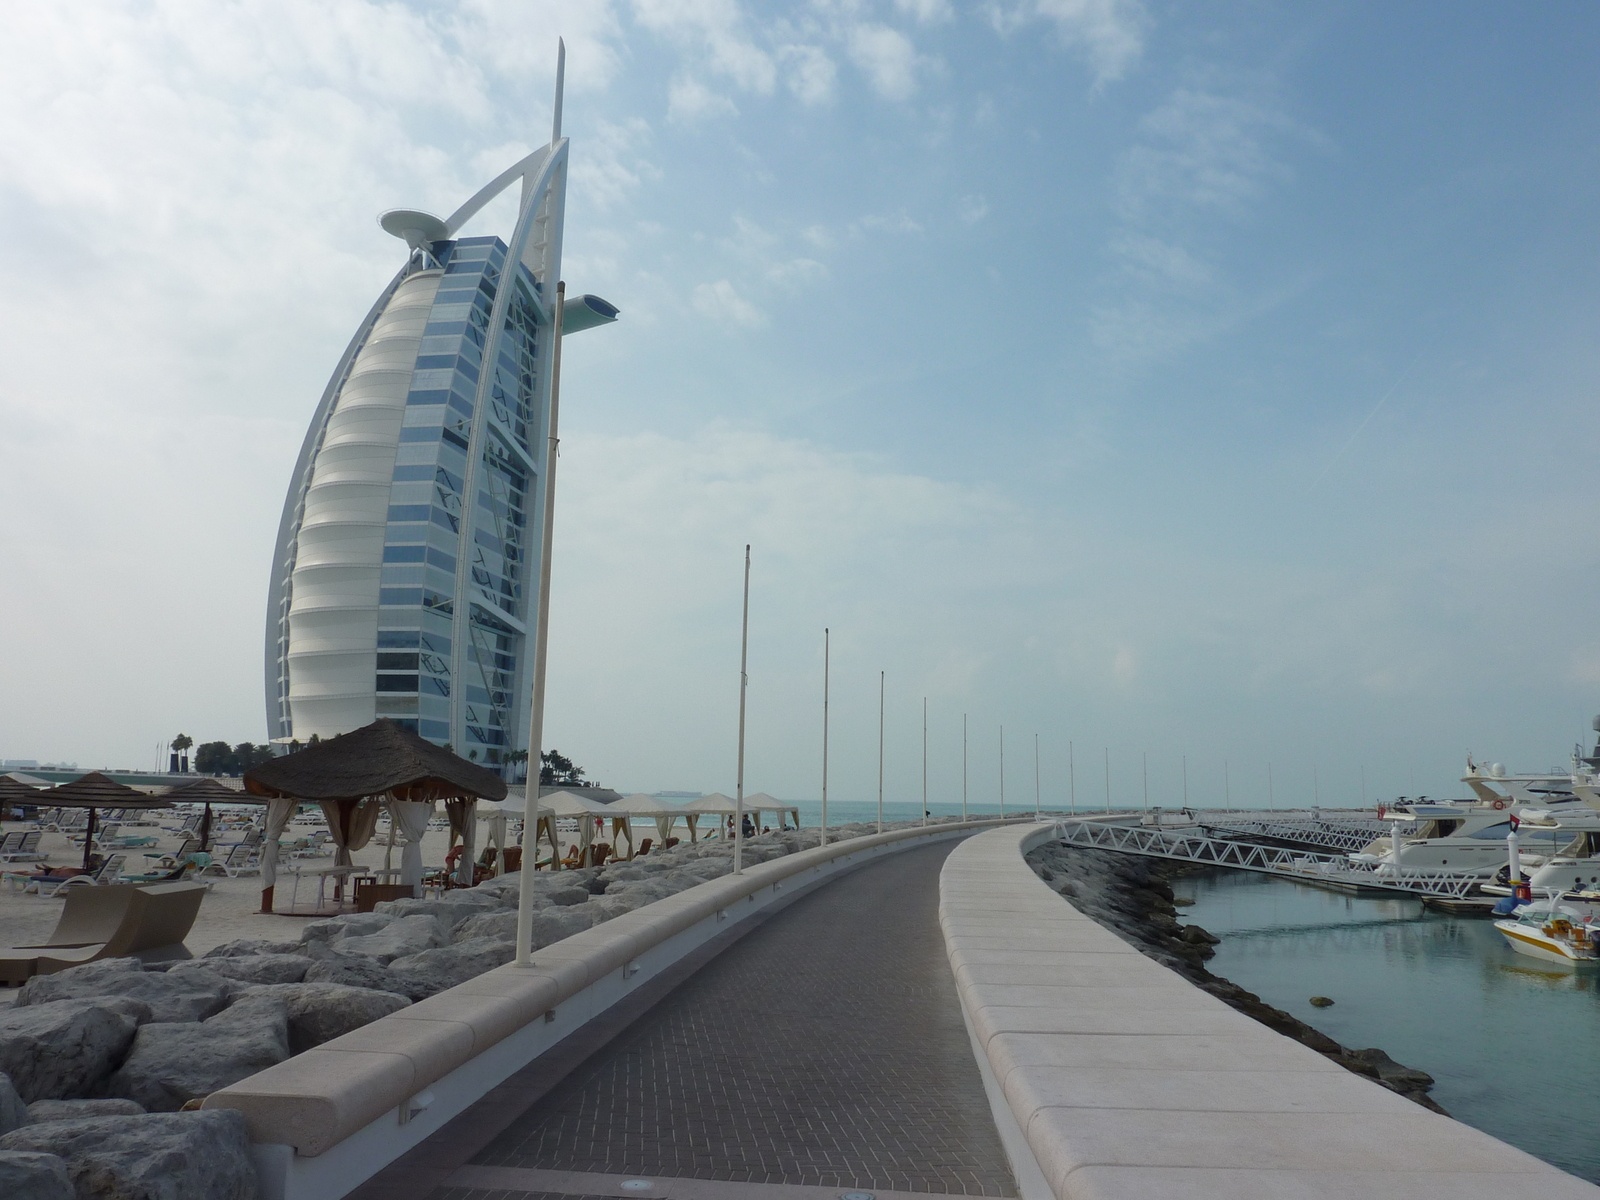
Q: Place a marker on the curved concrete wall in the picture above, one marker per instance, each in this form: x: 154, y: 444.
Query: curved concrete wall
x: 333, y: 609
x: 1129, y: 1083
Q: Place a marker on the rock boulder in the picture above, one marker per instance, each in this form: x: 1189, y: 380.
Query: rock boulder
x: 71, y: 1110
x: 242, y: 947
x: 187, y: 992
x: 400, y: 937
x: 62, y: 1049
x: 162, y: 1156
x: 259, y: 968
x: 320, y: 1012
x: 29, y: 1175
x: 13, y: 1108
x: 171, y: 1064
x: 432, y: 971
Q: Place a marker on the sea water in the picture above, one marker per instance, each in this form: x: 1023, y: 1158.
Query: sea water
x: 1513, y: 1043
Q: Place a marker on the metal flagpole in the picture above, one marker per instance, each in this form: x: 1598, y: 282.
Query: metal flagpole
x: 541, y: 656
x: 1271, y: 803
x: 1147, y: 781
x: 1002, y: 772
x: 1036, y: 776
x: 924, y: 760
x: 1186, y: 781
x: 825, y: 648
x: 744, y: 679
x: 963, y: 766
x: 1108, y: 778
x: 1072, y: 781
x: 1227, y: 788
x: 880, y: 751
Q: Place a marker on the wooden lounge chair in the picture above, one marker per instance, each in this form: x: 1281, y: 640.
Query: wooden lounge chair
x: 644, y: 846
x: 126, y: 920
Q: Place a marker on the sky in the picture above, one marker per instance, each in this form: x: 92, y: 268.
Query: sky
x: 1195, y: 387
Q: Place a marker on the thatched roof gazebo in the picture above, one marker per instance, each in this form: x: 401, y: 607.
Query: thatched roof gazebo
x: 94, y: 791
x: 209, y: 791
x: 351, y: 774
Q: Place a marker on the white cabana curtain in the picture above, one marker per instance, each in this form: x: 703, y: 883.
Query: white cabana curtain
x: 279, y: 813
x: 411, y: 817
x: 463, y: 823
x: 351, y: 825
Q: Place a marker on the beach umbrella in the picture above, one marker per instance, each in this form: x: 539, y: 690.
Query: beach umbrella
x: 664, y: 814
x: 14, y: 791
x: 94, y: 791
x: 761, y: 802
x: 208, y: 791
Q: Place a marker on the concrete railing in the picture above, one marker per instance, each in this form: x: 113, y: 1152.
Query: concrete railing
x: 327, y: 1119
x: 1114, y: 1078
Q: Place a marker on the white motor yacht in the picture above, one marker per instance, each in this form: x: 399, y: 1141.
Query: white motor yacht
x: 1450, y: 836
x: 1574, y: 864
x: 1550, y: 789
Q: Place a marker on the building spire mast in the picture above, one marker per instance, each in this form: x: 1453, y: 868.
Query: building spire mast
x: 561, y: 81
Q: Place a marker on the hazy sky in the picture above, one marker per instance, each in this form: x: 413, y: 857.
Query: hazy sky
x: 1185, y: 380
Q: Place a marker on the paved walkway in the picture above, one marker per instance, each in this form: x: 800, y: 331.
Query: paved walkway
x: 822, y: 1052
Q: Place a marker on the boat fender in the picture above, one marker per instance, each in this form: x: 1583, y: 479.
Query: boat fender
x: 1505, y: 906
x: 1499, y: 804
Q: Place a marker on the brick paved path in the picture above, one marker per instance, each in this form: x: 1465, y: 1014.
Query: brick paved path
x: 825, y: 1048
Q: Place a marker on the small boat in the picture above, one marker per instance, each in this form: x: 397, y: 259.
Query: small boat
x: 1452, y: 835
x: 1558, y: 931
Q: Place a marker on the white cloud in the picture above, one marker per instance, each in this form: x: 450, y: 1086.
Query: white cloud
x: 926, y: 11
x: 797, y: 273
x: 810, y: 73
x: 690, y: 100
x: 888, y: 59
x: 900, y: 222
x: 717, y: 32
x: 722, y: 303
x: 973, y: 209
x: 1109, y: 32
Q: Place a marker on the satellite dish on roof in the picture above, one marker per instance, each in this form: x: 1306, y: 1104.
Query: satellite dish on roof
x: 417, y: 229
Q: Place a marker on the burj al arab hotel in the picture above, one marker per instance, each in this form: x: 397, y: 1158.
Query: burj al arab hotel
x: 406, y: 576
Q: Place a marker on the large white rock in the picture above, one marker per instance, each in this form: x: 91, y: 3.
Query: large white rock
x: 72, y: 1110
x: 258, y: 968
x: 320, y: 1012
x: 186, y: 992
x: 63, y: 1049
x: 163, y: 1156
x: 171, y: 1064
x: 401, y: 936
x: 29, y: 1175
x: 13, y: 1108
x: 432, y: 971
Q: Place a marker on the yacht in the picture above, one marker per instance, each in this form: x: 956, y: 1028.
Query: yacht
x: 1492, y: 786
x: 1564, y: 930
x: 1573, y: 864
x: 1452, y: 835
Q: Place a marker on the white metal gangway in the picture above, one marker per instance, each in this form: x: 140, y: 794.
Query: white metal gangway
x: 1337, y: 835
x: 1328, y: 869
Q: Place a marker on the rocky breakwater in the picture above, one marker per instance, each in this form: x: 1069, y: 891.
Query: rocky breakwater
x: 1133, y: 898
x: 102, y: 1067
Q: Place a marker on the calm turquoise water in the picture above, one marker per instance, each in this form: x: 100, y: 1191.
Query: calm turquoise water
x: 1514, y: 1046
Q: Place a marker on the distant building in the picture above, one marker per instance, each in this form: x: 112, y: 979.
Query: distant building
x: 405, y: 579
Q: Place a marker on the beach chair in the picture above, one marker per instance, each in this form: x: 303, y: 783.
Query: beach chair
x: 11, y: 841
x: 241, y: 860
x: 26, y: 849
x: 644, y: 846
x: 108, y: 872
x: 171, y: 859
x: 148, y: 923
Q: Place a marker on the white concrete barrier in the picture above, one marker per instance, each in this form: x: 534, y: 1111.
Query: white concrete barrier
x: 1126, y: 1082
x: 326, y: 1120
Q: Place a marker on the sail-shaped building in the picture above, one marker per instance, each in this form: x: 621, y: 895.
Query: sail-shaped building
x: 406, y: 575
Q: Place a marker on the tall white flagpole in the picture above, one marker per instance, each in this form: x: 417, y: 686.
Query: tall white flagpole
x: 825, y: 647
x: 880, y: 751
x: 963, y: 766
x: 1002, y: 772
x: 1036, y: 777
x: 541, y: 656
x: 744, y: 679
x: 1072, y: 780
x: 1108, y: 778
x: 924, y: 760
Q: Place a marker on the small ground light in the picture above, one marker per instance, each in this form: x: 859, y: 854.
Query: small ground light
x: 636, y: 1185
x: 857, y: 1196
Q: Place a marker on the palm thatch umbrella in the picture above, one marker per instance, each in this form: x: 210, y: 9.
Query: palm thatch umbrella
x: 208, y: 791
x: 94, y: 791
x: 383, y: 760
x: 14, y: 791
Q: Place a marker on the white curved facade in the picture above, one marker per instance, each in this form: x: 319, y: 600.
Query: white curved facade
x: 406, y: 577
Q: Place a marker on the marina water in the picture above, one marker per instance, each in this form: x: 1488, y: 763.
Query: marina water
x: 1513, y: 1045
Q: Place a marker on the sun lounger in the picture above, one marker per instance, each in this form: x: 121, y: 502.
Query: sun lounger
x: 108, y: 872
x: 149, y: 923
x: 26, y: 849
x: 240, y: 861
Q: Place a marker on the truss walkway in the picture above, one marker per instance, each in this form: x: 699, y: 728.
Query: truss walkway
x: 1327, y: 870
x: 1336, y: 835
